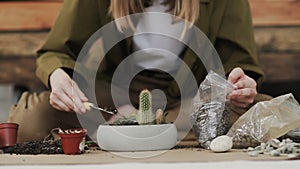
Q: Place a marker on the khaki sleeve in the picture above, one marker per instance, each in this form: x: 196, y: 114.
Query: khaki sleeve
x: 76, y: 22
x: 235, y: 40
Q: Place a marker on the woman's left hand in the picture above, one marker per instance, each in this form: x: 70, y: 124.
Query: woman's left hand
x: 245, y: 92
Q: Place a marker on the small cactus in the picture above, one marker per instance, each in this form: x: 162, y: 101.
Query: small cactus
x: 145, y: 115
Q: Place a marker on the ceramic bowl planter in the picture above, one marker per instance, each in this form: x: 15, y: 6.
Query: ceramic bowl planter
x: 73, y: 140
x: 137, y: 137
x: 140, y: 131
x: 8, y: 134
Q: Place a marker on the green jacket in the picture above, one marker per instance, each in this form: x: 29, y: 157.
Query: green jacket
x: 227, y: 23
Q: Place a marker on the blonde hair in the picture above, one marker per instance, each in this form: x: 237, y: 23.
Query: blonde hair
x: 184, y: 9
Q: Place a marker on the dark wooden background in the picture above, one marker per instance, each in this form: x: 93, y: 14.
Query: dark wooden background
x: 24, y: 26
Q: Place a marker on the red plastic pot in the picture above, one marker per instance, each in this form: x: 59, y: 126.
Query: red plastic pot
x: 73, y: 143
x: 8, y: 134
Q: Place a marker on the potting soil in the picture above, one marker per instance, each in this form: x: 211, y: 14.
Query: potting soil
x: 35, y: 147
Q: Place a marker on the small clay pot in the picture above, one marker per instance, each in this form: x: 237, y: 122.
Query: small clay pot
x: 73, y: 143
x: 8, y: 134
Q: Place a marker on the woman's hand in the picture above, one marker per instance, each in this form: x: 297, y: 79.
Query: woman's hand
x: 245, y: 92
x: 65, y: 94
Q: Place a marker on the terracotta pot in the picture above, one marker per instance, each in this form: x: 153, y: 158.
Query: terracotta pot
x: 73, y: 143
x: 8, y: 134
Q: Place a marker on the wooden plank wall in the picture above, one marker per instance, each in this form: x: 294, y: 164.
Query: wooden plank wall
x: 28, y: 15
x: 275, y: 12
x: 277, y: 32
x: 37, y: 15
x: 24, y: 26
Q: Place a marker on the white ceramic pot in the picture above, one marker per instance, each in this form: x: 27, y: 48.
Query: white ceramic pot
x: 137, y: 137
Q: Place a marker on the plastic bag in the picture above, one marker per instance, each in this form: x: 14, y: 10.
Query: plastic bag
x: 294, y: 135
x: 210, y: 116
x: 265, y: 121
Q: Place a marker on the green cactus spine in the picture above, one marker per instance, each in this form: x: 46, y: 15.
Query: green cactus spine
x: 145, y: 115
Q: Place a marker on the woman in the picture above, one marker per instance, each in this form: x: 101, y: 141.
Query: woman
x: 226, y: 23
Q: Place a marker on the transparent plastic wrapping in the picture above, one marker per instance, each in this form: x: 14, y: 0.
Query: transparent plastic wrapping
x: 265, y: 121
x: 294, y: 135
x: 210, y: 116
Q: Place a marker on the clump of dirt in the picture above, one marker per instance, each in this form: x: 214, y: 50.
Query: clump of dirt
x: 35, y: 147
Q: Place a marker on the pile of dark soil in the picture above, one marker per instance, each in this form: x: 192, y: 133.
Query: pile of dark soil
x: 35, y: 147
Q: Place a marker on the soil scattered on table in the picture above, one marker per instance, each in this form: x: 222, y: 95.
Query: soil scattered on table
x: 35, y: 147
x: 43, y: 147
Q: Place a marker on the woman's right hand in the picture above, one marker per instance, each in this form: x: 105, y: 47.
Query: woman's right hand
x: 65, y: 94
